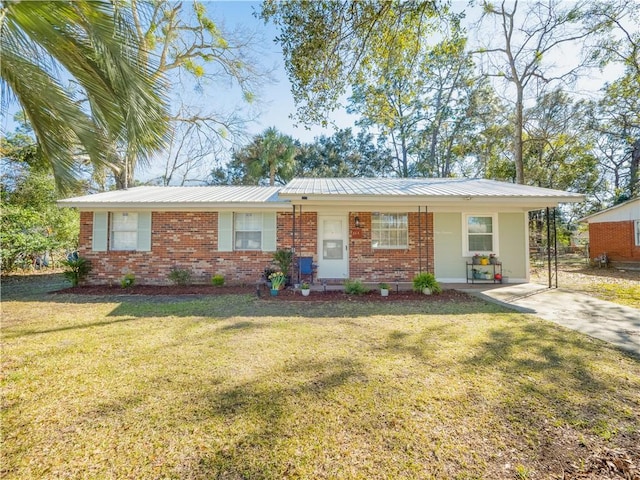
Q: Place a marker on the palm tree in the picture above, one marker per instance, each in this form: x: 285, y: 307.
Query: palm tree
x: 276, y: 152
x: 115, y: 106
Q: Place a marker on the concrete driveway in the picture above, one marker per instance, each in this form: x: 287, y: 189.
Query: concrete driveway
x: 607, y: 321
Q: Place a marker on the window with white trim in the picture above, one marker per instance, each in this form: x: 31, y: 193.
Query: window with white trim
x: 124, y: 231
x: 480, y: 232
x: 637, y: 231
x: 121, y: 231
x: 389, y: 230
x: 247, y: 231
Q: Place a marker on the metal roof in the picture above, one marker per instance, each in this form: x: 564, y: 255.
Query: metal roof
x: 326, y: 191
x: 629, y: 210
x: 177, y: 197
x: 422, y: 187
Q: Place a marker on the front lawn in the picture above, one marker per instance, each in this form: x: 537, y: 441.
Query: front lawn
x: 235, y: 387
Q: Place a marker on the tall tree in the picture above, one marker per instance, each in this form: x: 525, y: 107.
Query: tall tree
x: 344, y: 155
x: 32, y: 228
x: 269, y: 157
x: 616, y: 117
x: 116, y: 104
x: 556, y: 152
x: 390, y: 90
x: 327, y: 44
x: 195, y: 52
x: 530, y: 33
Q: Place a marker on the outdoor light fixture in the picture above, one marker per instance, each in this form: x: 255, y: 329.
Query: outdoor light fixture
x: 357, y: 221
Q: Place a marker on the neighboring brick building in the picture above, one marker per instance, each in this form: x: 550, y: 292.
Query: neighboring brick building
x: 616, y: 232
x: 369, y: 229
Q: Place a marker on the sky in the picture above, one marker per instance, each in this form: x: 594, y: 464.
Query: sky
x: 276, y: 99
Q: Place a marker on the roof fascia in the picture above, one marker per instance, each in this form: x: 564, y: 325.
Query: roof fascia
x: 174, y: 207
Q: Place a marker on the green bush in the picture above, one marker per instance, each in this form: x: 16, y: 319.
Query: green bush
x: 180, y: 276
x: 354, y: 287
x: 283, y: 258
x: 128, y: 280
x: 77, y: 269
x: 426, y: 280
x: 217, y: 280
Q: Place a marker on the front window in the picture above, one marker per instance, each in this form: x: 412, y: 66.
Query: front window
x: 480, y: 234
x: 124, y: 231
x: 637, y: 223
x: 389, y: 230
x: 248, y: 231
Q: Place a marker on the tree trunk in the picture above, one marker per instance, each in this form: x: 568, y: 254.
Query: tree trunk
x: 517, y: 135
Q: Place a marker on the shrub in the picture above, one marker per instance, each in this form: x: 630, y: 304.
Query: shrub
x: 77, y: 269
x: 180, y: 276
x: 283, y: 258
x: 217, y: 280
x: 354, y: 287
x: 128, y: 280
x: 426, y: 280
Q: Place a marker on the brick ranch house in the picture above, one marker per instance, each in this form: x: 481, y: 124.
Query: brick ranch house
x: 616, y: 232
x: 372, y: 229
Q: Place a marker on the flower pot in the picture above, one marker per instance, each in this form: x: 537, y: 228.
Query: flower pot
x: 493, y: 261
x: 426, y: 291
x: 484, y: 261
x: 384, y: 292
x: 305, y: 292
x: 475, y: 260
x: 274, y: 292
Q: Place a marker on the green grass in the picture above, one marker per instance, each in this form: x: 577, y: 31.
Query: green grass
x: 234, y: 387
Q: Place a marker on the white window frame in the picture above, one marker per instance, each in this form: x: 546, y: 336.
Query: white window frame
x: 258, y: 218
x: 133, y: 228
x: 636, y: 224
x: 380, y: 227
x: 465, y: 233
x: 103, y: 232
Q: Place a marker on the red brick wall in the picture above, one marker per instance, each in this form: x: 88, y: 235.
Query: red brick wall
x: 184, y: 240
x: 189, y: 240
x: 616, y: 239
x: 376, y: 265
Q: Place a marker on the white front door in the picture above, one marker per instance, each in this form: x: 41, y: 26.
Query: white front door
x: 333, y: 247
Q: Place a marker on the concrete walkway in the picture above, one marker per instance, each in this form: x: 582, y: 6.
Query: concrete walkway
x: 607, y: 321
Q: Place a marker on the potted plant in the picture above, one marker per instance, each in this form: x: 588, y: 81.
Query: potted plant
x: 305, y: 288
x: 426, y: 283
x: 484, y: 260
x: 493, y: 259
x: 277, y: 281
x: 475, y: 260
x: 283, y: 259
x: 384, y: 289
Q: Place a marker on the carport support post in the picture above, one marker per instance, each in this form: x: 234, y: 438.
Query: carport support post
x: 419, y: 243
x: 426, y: 235
x: 293, y: 241
x: 552, y: 218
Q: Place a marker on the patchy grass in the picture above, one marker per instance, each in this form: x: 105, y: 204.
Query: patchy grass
x: 233, y: 387
x: 610, y: 284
